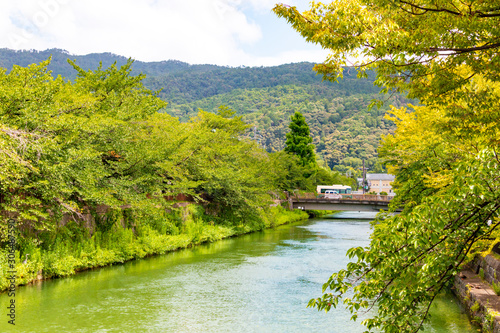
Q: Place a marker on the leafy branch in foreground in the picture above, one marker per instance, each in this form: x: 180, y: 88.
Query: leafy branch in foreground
x: 444, y: 152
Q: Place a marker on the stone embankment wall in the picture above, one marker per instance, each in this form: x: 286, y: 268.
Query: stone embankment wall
x: 473, y: 288
x: 490, y: 266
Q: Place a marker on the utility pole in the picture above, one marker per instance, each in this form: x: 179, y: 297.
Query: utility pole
x: 365, y: 182
x: 364, y: 176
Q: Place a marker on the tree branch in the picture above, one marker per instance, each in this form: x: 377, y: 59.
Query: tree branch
x: 464, y: 50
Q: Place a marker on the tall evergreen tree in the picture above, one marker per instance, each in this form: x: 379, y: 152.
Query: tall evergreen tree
x: 299, y: 140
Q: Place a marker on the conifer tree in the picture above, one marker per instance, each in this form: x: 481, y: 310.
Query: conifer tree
x: 299, y: 141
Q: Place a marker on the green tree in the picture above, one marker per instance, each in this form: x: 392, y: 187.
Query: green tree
x: 74, y: 144
x: 444, y: 152
x: 232, y: 174
x: 299, y: 141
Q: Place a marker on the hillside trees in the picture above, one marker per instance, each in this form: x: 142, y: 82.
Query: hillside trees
x: 342, y: 127
x: 444, y: 152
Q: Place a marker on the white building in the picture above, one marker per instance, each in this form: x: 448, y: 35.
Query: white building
x: 379, y: 182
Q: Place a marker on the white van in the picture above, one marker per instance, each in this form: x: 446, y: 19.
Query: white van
x: 332, y: 194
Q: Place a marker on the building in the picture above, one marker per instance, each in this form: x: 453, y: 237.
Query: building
x: 379, y: 182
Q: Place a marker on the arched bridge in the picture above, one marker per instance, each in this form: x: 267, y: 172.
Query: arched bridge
x: 354, y: 202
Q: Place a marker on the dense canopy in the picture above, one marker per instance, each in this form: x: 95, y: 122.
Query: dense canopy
x: 67, y: 148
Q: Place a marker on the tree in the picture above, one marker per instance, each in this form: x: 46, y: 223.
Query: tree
x: 233, y: 174
x: 67, y: 147
x: 299, y: 141
x: 443, y: 153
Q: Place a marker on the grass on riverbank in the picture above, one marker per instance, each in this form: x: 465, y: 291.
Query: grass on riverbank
x: 75, y: 250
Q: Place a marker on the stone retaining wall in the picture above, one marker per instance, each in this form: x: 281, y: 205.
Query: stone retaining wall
x: 479, y: 299
x: 490, y: 266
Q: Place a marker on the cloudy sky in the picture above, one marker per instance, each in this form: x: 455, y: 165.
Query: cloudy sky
x: 222, y: 32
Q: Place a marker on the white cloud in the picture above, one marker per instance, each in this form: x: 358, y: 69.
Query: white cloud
x: 194, y: 31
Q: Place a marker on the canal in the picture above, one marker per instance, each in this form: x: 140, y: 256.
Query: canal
x: 259, y: 282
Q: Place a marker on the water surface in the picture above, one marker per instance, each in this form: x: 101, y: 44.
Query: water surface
x: 255, y: 283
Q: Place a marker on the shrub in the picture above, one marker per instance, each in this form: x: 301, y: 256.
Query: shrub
x: 474, y: 308
x: 496, y: 288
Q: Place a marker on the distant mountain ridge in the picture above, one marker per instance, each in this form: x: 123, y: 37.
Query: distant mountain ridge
x: 181, y: 82
x: 59, y: 64
x: 345, y: 131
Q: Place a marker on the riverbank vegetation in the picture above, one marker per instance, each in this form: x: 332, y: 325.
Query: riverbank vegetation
x: 71, y: 249
x: 93, y: 174
x: 444, y: 152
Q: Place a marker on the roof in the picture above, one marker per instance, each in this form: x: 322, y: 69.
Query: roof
x: 379, y: 176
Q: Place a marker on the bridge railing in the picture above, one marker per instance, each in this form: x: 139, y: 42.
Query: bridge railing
x: 346, y: 197
x: 369, y: 197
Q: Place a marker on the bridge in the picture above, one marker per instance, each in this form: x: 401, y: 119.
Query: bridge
x: 354, y: 202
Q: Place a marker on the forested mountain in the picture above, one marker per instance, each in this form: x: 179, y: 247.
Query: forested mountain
x: 194, y: 83
x: 344, y: 130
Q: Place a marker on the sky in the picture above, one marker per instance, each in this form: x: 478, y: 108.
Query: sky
x: 222, y: 32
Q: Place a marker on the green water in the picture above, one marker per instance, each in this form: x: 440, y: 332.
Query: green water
x: 254, y: 283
